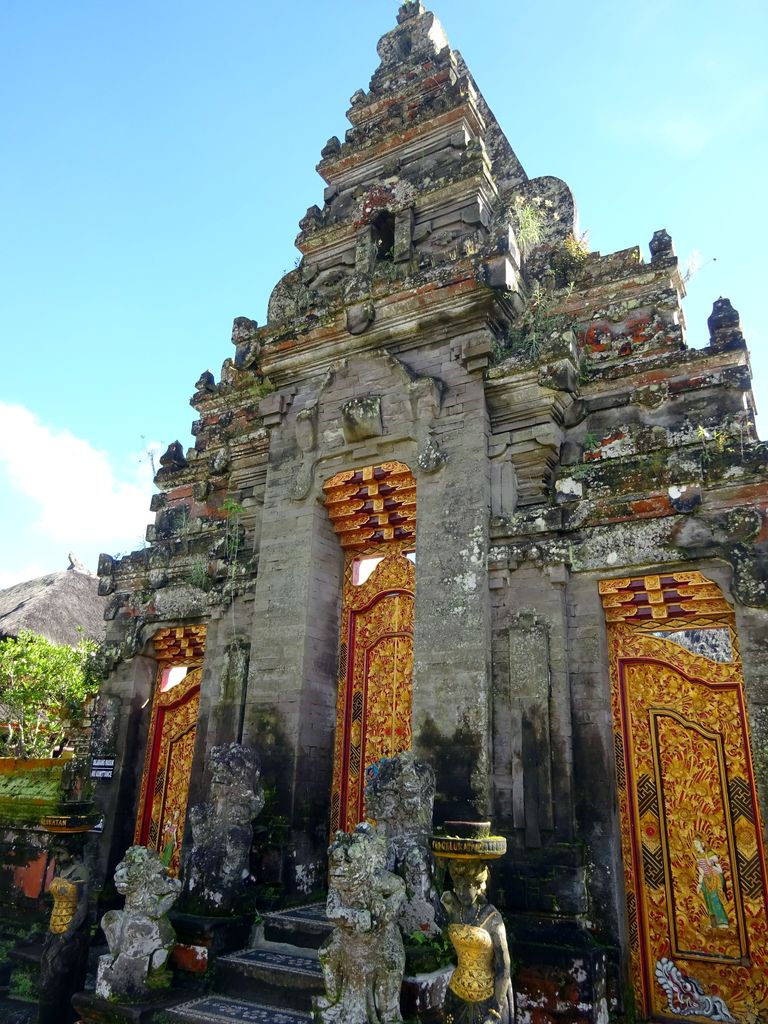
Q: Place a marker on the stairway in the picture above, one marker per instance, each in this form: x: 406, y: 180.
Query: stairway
x: 274, y: 982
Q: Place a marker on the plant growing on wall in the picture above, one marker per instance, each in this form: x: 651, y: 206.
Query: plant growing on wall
x: 530, y: 225
x: 43, y: 687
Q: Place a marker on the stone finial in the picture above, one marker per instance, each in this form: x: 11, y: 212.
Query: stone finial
x: 661, y: 245
x: 410, y: 10
x: 418, y: 36
x: 75, y: 564
x: 173, y: 457
x: 206, y: 382
x: 243, y: 330
x: 332, y: 146
x: 724, y: 326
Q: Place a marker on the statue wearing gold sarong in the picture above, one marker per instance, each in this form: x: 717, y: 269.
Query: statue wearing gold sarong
x: 480, y: 989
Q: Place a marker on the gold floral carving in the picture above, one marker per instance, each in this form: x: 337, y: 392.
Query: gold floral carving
x: 694, y: 862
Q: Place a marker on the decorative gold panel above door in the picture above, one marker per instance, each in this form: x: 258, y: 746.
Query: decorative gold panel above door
x: 694, y: 864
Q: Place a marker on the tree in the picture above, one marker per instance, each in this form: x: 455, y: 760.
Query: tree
x: 43, y: 686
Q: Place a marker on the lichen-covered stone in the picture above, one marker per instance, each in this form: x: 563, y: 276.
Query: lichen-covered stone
x: 217, y: 869
x: 140, y: 937
x: 400, y: 795
x: 363, y: 960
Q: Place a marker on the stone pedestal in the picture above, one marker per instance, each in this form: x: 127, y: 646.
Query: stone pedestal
x: 422, y: 995
x: 562, y: 974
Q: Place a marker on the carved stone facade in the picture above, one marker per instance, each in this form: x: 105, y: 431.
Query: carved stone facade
x: 562, y: 430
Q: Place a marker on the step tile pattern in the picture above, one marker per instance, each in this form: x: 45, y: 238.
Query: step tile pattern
x: 221, y: 1009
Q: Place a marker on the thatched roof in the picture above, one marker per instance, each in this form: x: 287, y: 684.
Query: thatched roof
x: 54, y: 606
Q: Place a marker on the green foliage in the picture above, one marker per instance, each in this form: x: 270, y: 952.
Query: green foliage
x: 530, y: 225
x: 44, y: 685
x: 22, y: 986
x: 198, y: 574
x: 262, y: 389
x: 424, y: 953
x: 568, y: 258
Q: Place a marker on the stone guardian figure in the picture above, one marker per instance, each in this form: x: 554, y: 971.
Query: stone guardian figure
x: 140, y: 937
x: 363, y: 959
x: 216, y: 871
x: 400, y: 796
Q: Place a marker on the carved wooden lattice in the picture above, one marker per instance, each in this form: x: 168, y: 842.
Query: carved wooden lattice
x: 694, y: 863
x: 373, y: 511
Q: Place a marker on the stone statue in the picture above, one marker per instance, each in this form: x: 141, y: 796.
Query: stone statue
x: 480, y: 989
x: 64, y: 959
x: 363, y: 959
x: 399, y: 797
x: 140, y: 936
x: 216, y: 871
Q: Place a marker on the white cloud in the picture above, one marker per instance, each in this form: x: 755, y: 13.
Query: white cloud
x: 78, y: 497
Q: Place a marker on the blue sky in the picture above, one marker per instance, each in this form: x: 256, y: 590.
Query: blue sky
x: 155, y: 159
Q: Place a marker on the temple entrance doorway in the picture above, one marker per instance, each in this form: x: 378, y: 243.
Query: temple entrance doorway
x: 373, y: 512
x: 170, y: 743
x: 694, y: 865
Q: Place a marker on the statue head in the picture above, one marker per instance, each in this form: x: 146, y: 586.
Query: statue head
x: 355, y: 859
x: 470, y: 880
x: 232, y: 764
x: 142, y: 878
x: 401, y: 789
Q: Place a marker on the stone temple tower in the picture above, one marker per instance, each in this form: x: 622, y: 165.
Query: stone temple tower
x: 469, y: 491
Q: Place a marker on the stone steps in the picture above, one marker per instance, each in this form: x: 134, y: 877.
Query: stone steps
x: 272, y: 983
x: 223, y: 1010
x: 305, y: 926
x: 273, y: 973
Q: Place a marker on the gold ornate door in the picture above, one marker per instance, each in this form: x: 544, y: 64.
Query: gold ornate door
x: 170, y: 745
x: 692, y: 840
x: 373, y: 511
x: 374, y: 709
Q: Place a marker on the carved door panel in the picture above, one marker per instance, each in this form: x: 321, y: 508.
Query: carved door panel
x: 168, y: 763
x: 374, y: 710
x: 694, y: 865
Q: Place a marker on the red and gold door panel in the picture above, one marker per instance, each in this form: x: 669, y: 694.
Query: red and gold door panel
x: 170, y: 745
x: 692, y: 840
x: 374, y: 710
x: 373, y: 511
